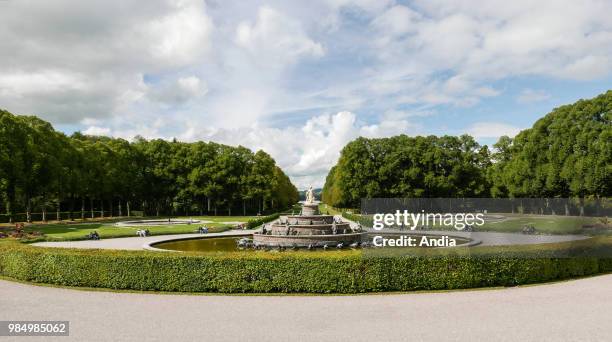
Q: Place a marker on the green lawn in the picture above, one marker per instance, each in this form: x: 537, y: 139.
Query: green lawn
x: 221, y: 218
x: 514, y: 223
x: 78, y: 231
x: 542, y: 224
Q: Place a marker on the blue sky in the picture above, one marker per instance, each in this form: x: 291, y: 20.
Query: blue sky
x: 301, y: 79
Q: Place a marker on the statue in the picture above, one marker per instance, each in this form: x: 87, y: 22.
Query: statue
x: 307, y: 229
x: 310, y: 196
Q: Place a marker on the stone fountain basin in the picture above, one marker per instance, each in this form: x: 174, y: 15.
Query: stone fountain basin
x: 305, y: 240
x: 310, y: 229
x: 306, y: 219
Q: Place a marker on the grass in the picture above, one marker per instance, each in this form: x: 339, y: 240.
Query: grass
x: 514, y: 223
x: 542, y: 224
x: 78, y: 231
x: 221, y: 219
x: 328, y: 210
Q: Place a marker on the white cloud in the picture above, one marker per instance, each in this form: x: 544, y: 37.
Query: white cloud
x: 181, y: 36
x: 90, y: 122
x: 470, y: 45
x: 75, y: 60
x: 394, y: 114
x: 192, y: 85
x: 386, y: 129
x: 397, y: 20
x: 588, y: 67
x: 531, y: 96
x: 369, y: 6
x: 95, y: 130
x: 492, y: 130
x: 305, y: 152
x: 178, y: 92
x: 231, y: 70
x: 276, y: 39
x: 64, y: 96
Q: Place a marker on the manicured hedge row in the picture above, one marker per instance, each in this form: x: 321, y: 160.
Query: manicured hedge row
x: 349, y: 214
x: 254, y: 223
x: 316, y: 272
x: 366, y: 221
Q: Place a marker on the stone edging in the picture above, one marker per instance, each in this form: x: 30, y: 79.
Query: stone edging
x: 149, y: 245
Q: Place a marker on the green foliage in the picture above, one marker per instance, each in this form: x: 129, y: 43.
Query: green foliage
x: 107, y: 230
x: 299, y: 272
x: 287, y: 193
x: 364, y: 220
x: 41, y: 169
x: 567, y: 153
x: 403, y: 166
x: 256, y: 222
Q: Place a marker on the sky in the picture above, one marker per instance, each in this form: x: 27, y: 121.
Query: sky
x: 300, y: 79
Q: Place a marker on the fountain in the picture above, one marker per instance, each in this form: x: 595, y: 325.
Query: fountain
x: 309, y: 229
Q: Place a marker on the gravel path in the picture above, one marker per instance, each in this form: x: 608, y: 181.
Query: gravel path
x: 578, y: 310
x: 138, y: 243
x: 479, y: 238
x: 134, y: 243
x: 503, y: 239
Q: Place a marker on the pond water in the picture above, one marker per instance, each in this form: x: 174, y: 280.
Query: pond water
x: 222, y: 244
x: 230, y: 244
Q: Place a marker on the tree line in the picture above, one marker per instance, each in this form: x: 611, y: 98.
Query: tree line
x: 567, y: 153
x: 44, y: 170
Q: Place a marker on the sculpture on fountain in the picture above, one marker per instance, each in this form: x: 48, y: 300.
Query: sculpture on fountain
x: 310, y: 208
x: 309, y: 229
x: 310, y: 196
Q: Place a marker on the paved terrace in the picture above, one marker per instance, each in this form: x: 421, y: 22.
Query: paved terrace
x: 577, y: 310
x: 135, y: 243
x: 499, y: 239
x: 484, y: 239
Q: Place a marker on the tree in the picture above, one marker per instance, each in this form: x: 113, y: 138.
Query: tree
x: 13, y: 150
x: 40, y: 167
x: 567, y: 153
x: 260, y: 180
x: 403, y: 166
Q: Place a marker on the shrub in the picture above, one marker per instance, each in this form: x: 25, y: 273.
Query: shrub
x: 313, y: 272
x: 254, y: 223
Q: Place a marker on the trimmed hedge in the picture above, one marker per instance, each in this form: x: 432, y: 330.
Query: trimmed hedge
x: 254, y: 223
x: 366, y: 221
x: 297, y: 272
